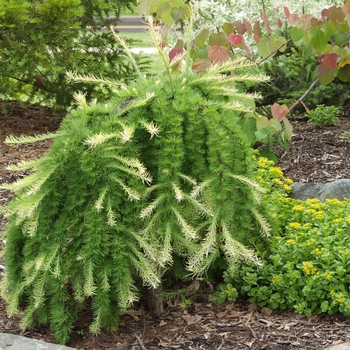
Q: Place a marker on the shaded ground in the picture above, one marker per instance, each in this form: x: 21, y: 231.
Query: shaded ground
x: 317, y: 155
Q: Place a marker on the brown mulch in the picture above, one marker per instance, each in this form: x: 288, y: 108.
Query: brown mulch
x: 317, y: 155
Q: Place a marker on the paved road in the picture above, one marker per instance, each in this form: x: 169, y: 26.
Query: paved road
x: 129, y: 24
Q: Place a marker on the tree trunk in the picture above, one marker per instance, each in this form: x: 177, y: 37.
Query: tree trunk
x: 155, y: 300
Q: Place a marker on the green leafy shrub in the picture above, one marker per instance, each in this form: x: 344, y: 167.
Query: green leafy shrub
x: 161, y: 169
x: 324, y: 115
x: 305, y: 263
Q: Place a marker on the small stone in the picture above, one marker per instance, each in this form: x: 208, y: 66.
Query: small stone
x: 16, y: 342
x: 339, y: 189
x: 343, y: 346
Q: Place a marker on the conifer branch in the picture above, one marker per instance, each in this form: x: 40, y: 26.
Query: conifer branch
x: 157, y: 42
x: 146, y: 178
x: 256, y: 78
x: 150, y: 189
x: 105, y: 285
x: 236, y: 106
x: 257, y: 197
x: 126, y: 48
x: 189, y: 232
x: 145, y: 268
x: 179, y: 195
x: 198, y: 262
x: 30, y: 226
x: 26, y: 165
x: 234, y: 250
x: 202, y: 208
x: 90, y: 78
x: 95, y: 326
x: 248, y: 182
x: 39, y: 291
x: 131, y: 162
x: 149, y: 247
x: 230, y: 65
x: 132, y: 194
x: 25, y: 209
x: 27, y: 317
x: 126, y: 134
x: 80, y: 100
x: 97, y: 139
x: 147, y: 212
x: 56, y: 271
x: 199, y: 266
x: 264, y: 225
x: 15, y: 140
x: 196, y: 192
x: 32, y: 183
x: 150, y: 127
x: 127, y: 292
x: 233, y: 92
x: 188, y: 179
x: 99, y: 202
x: 110, y: 214
x: 136, y: 103
x: 227, y: 80
x: 89, y: 285
x: 166, y: 256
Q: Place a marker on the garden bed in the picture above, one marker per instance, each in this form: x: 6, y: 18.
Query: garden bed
x: 317, y: 155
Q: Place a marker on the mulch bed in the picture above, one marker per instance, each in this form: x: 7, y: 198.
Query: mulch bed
x: 316, y: 155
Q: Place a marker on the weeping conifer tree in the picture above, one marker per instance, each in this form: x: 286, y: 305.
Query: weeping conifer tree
x: 161, y: 169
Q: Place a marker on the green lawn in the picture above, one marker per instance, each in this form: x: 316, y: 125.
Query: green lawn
x: 143, y: 38
x: 126, y: 11
x: 156, y: 64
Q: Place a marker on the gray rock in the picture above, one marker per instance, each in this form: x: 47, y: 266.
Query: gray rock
x: 16, y: 342
x: 344, y: 346
x: 339, y: 189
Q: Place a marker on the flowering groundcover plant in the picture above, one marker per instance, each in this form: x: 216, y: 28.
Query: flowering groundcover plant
x: 306, y: 264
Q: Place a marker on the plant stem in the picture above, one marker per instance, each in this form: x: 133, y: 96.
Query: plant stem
x: 273, y: 52
x: 299, y: 100
x: 304, y: 95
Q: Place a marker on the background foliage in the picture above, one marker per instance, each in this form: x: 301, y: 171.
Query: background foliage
x: 302, y: 45
x: 41, y: 40
x: 291, y: 75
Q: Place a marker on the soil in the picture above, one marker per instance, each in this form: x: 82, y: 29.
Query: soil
x: 316, y: 155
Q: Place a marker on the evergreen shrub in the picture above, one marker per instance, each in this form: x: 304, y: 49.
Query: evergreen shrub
x: 160, y: 169
x: 41, y: 40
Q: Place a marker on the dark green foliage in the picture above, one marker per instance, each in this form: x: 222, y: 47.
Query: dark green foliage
x: 41, y: 40
x: 161, y: 169
x: 103, y: 12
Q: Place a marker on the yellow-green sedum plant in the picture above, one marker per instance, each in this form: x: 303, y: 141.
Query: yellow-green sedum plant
x: 161, y: 169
